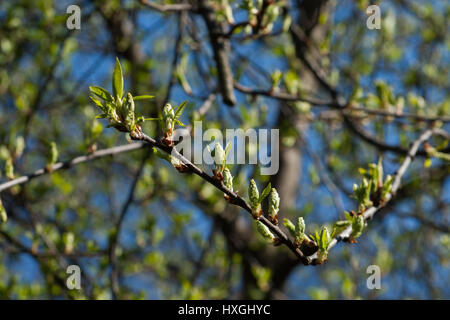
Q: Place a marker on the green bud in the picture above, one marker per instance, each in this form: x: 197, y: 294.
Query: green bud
x: 253, y: 194
x: 53, y: 153
x: 274, y: 203
x: 276, y: 77
x: 3, y: 215
x: 357, y: 226
x: 131, y: 102
x: 228, y: 179
x: 219, y: 157
x: 362, y: 193
x: 290, y: 226
x: 4, y: 153
x: 9, y: 168
x: 300, y: 230
x: 19, y: 146
x: 387, y: 187
x: 380, y: 172
x: 168, y: 115
x: 168, y: 111
x: 264, y: 231
x: 324, y: 239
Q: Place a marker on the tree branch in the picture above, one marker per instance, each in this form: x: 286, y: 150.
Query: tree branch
x: 370, y: 212
x: 234, y: 198
x: 167, y: 7
x: 221, y: 48
x: 71, y: 163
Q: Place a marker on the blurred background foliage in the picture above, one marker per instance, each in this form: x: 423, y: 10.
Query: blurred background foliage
x: 179, y: 238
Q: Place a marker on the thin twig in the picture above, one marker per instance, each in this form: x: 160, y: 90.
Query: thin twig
x: 234, y: 198
x: 370, y: 212
x: 283, y: 96
x: 167, y: 7
x: 221, y: 49
x: 69, y: 164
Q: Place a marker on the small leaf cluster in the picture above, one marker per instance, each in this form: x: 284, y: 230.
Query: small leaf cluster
x: 323, y: 240
x: 8, y: 153
x: 256, y: 199
x: 220, y: 161
x: 373, y: 189
x: 253, y: 9
x: 117, y: 109
x: 3, y: 215
x: 356, y: 221
x: 297, y: 230
x: 168, y: 119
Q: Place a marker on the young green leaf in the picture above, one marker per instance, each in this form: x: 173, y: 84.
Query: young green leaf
x: 227, y: 149
x: 228, y: 179
x: 178, y: 122
x: 3, y: 215
x: 290, y: 226
x: 264, y: 231
x: 265, y: 193
x: 300, y: 230
x: 101, y: 93
x: 180, y: 110
x: 143, y: 97
x: 117, y: 82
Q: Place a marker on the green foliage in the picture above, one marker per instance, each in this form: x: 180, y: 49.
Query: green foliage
x: 188, y: 256
x: 118, y: 110
x: 256, y: 199
x: 264, y: 231
x: 323, y: 240
x: 228, y: 179
x: 3, y: 215
x: 274, y: 204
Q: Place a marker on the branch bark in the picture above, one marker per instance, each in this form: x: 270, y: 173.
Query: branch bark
x: 221, y: 49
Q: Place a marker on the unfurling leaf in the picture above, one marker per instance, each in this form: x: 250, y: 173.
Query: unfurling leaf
x: 101, y: 93
x: 180, y: 110
x: 219, y: 157
x: 228, y: 179
x: 168, y: 115
x: 290, y: 226
x: 3, y: 215
x: 9, y: 168
x: 136, y: 98
x: 300, y: 230
x: 253, y: 194
x: 53, y: 153
x: 274, y: 204
x: 357, y: 226
x: 265, y: 193
x: 264, y: 231
x: 117, y: 82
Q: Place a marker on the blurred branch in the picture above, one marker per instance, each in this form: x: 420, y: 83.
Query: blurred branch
x: 114, y: 239
x: 221, y: 49
x: 234, y: 198
x: 167, y: 7
x: 370, y: 212
x: 69, y: 164
x: 284, y: 96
